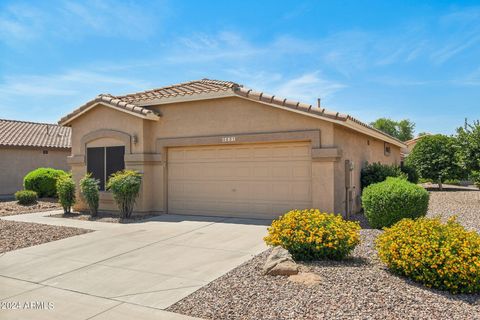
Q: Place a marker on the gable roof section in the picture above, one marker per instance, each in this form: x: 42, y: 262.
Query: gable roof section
x: 210, y: 89
x: 15, y: 133
x: 111, y: 102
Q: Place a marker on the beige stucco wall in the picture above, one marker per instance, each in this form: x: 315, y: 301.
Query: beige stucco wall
x: 210, y: 118
x: 15, y: 163
x: 360, y: 149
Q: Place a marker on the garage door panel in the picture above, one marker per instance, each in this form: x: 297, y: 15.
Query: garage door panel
x: 262, y: 180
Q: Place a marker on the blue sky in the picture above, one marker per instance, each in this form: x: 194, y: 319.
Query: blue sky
x: 368, y: 59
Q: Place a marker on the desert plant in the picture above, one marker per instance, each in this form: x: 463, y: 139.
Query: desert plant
x: 66, y: 192
x: 390, y: 201
x: 309, y: 235
x: 43, y: 181
x: 440, y: 255
x: 89, y: 188
x: 125, y: 186
x: 26, y: 197
x: 377, y: 172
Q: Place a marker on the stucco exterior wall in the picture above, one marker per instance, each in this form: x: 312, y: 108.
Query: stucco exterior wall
x: 360, y: 149
x: 204, y: 122
x: 15, y: 163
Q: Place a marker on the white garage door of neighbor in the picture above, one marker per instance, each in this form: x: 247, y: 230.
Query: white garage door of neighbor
x: 255, y: 180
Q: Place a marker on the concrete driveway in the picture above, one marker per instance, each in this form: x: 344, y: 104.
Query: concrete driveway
x: 123, y: 271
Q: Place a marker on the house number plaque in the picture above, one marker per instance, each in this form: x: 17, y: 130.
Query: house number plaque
x: 228, y: 139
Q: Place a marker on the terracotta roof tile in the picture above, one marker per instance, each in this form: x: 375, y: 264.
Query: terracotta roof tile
x: 138, y: 102
x: 15, y: 133
x: 187, y: 88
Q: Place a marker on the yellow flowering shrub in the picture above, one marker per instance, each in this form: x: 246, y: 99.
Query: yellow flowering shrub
x: 440, y: 255
x: 311, y: 235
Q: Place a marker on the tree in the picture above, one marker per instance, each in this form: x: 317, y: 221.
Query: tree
x: 405, y: 129
x: 435, y: 157
x: 388, y: 126
x: 402, y: 130
x: 468, y: 141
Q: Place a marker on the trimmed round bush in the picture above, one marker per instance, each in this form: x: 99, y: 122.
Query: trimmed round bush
x: 66, y: 192
x: 440, y: 255
x: 390, y: 201
x: 43, y: 181
x: 311, y: 235
x: 26, y: 197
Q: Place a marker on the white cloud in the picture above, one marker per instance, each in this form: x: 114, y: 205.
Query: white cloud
x: 308, y: 87
x: 71, y: 20
x: 70, y: 83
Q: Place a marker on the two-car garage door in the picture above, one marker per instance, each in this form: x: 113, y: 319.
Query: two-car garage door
x: 256, y: 180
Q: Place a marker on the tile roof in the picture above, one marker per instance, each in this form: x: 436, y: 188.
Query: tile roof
x: 139, y: 102
x: 113, y: 102
x: 15, y: 133
x: 180, y: 89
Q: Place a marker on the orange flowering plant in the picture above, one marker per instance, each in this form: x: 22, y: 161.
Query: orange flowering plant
x: 440, y: 255
x: 310, y: 235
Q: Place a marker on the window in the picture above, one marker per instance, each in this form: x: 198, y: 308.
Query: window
x: 103, y: 161
x: 45, y: 151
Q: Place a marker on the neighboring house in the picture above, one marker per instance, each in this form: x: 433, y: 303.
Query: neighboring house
x: 25, y: 146
x: 212, y: 147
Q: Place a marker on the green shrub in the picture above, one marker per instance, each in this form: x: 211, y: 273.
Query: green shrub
x: 410, y: 172
x: 454, y: 182
x: 390, y: 201
x: 440, y: 255
x: 125, y: 186
x: 310, y: 235
x: 377, y: 172
x: 26, y: 197
x: 425, y: 180
x: 43, y: 181
x: 476, y: 178
x: 66, y: 192
x: 89, y: 190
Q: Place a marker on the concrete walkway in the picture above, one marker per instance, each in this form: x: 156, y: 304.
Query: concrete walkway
x: 122, y: 271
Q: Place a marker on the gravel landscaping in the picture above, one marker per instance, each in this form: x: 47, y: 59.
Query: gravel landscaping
x: 15, y: 235
x: 102, y: 217
x: 10, y: 208
x: 358, y: 288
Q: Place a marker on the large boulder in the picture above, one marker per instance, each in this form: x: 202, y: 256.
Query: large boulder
x: 280, y: 263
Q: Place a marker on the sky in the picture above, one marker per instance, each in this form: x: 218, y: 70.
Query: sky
x: 369, y: 59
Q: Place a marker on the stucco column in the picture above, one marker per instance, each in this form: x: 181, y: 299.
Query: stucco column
x: 323, y: 186
x: 145, y: 164
x: 323, y: 178
x: 78, y: 169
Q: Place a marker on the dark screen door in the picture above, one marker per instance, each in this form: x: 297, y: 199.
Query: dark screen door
x: 96, y: 164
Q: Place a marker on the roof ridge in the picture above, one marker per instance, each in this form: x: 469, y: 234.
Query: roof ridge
x: 229, y: 84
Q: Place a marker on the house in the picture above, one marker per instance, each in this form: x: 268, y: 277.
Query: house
x: 211, y: 147
x: 25, y: 146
